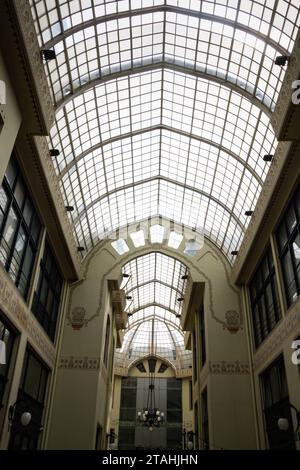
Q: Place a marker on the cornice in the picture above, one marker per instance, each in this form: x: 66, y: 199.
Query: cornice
x: 284, y: 109
x: 42, y: 149
x: 30, y: 57
x: 282, y: 160
x: 273, y: 345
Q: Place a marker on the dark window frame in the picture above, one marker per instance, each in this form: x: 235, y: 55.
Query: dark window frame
x: 202, y: 337
x: 265, y: 315
x: 205, y: 419
x: 6, y: 368
x: 106, y: 344
x: 29, y: 437
x: 31, y: 229
x: 286, y: 249
x: 48, y: 290
x: 275, y: 404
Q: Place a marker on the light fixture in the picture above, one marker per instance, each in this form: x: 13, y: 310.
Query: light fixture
x: 284, y: 424
x: 151, y: 417
x: 54, y: 152
x: 282, y: 60
x: 25, y: 416
x: 248, y: 213
x: 128, y: 297
x: 69, y: 208
x: 48, y: 54
x: 80, y: 249
x: 124, y: 280
x: 188, y: 439
x: 234, y: 252
x: 268, y: 157
x: 180, y: 299
x: 184, y: 277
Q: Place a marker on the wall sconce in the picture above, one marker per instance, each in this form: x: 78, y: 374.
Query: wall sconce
x: 282, y: 60
x: 25, y: 417
x: 54, y: 152
x: 283, y: 423
x: 188, y: 439
x: 48, y: 54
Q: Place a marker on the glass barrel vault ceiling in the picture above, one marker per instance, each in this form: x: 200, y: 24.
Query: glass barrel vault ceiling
x: 163, y: 108
x: 155, y: 284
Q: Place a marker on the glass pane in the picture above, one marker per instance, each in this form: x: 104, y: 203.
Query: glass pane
x: 32, y: 378
x: 19, y: 193
x: 17, y: 254
x: 3, y: 205
x: 289, y: 278
x: 26, y: 269
x: 8, y: 235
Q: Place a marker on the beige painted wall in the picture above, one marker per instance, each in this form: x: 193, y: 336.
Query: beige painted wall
x: 12, y: 119
x: 87, y: 344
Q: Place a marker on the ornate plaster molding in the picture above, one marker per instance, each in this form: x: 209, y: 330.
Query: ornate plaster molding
x: 284, y: 102
x: 183, y: 373
x: 273, y: 345
x: 79, y: 363
x: 121, y: 371
x: 41, y: 147
x: 18, y: 313
x: 33, y: 64
x: 229, y: 368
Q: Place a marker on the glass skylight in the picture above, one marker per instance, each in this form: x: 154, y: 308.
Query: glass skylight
x: 155, y: 279
x: 157, y: 234
x: 163, y: 108
x: 120, y: 246
x: 175, y: 240
x: 138, y: 238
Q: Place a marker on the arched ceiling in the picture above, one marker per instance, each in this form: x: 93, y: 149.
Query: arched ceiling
x: 163, y: 108
x: 155, y: 283
x: 155, y: 279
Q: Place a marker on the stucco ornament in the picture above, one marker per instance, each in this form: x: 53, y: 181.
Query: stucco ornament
x: 233, y: 321
x: 77, y: 318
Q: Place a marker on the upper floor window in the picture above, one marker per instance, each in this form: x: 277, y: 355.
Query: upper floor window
x: 288, y: 239
x: 264, y: 299
x: 275, y: 399
x: 19, y: 229
x: 106, y: 345
x: 202, y: 336
x: 31, y: 396
x: 7, y: 339
x: 46, y: 298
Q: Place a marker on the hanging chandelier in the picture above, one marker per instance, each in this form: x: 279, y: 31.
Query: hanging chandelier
x: 151, y: 416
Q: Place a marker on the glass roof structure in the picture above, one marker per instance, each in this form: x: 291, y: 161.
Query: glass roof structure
x: 155, y: 280
x: 155, y: 285
x: 163, y: 108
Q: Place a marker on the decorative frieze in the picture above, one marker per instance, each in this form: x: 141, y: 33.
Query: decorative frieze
x: 273, y: 344
x: 37, y: 79
x: 229, y: 368
x: 82, y: 363
x: 18, y: 313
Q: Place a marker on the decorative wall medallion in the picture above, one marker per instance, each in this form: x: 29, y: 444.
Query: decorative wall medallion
x: 77, y: 318
x: 233, y: 321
